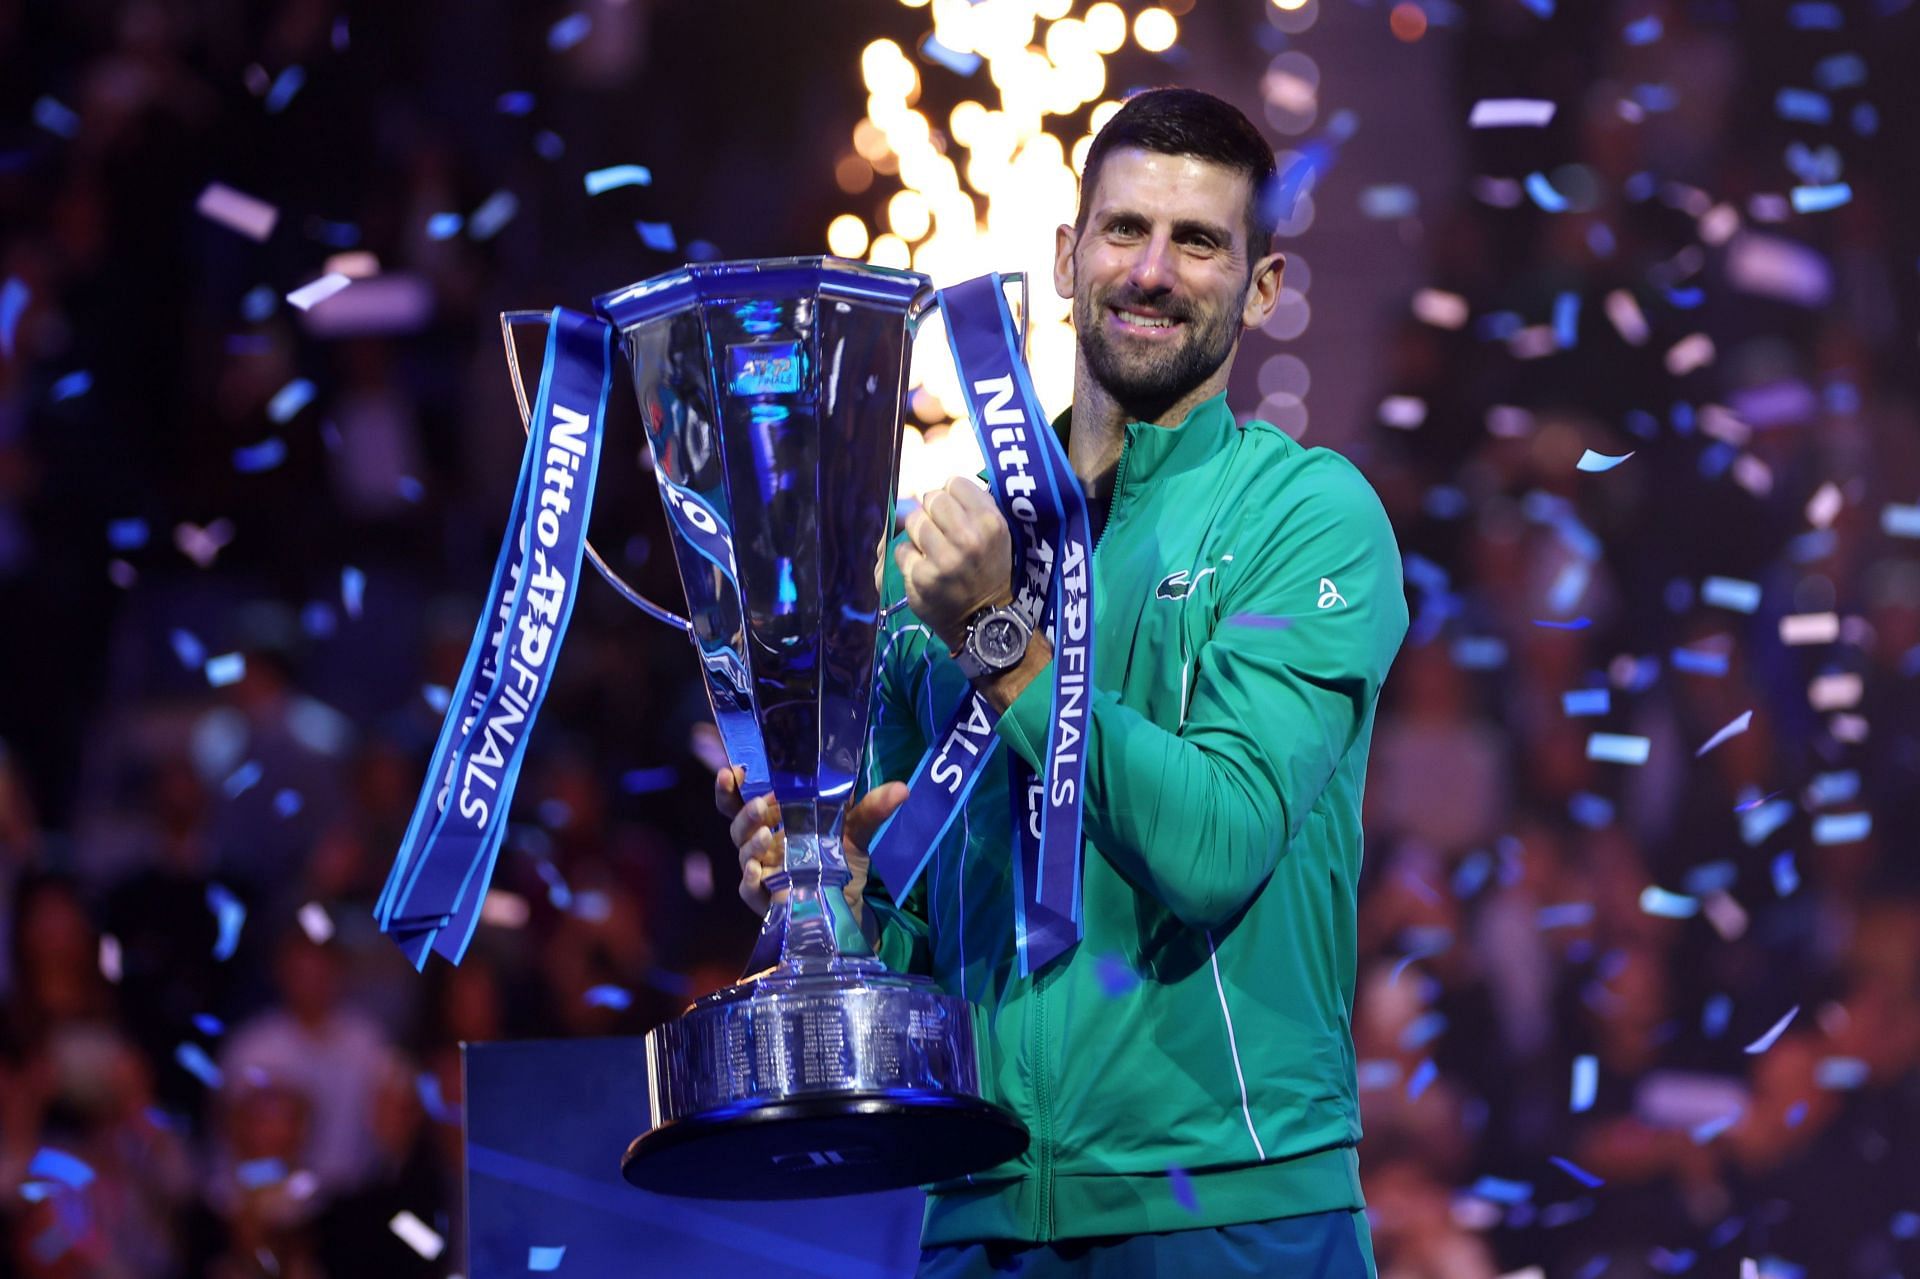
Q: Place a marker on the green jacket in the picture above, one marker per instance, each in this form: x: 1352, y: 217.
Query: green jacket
x: 1190, y: 1063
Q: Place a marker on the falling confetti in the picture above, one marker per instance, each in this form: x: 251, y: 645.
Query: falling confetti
x: 545, y: 1258
x: 1599, y: 462
x: 1502, y: 113
x: 617, y: 176
x: 1778, y: 1028
x: 315, y: 923
x: 1586, y: 1080
x: 308, y: 296
x: 1733, y: 729
x: 417, y: 1235
x: 1618, y: 748
x: 228, y: 668
x: 237, y: 211
x: 229, y: 915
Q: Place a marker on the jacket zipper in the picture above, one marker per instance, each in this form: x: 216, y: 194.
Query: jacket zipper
x: 1113, y: 502
x: 1043, y: 1110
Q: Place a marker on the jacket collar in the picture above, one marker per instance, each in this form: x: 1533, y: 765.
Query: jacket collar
x: 1151, y: 449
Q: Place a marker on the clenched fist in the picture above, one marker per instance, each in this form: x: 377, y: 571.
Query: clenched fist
x: 957, y: 559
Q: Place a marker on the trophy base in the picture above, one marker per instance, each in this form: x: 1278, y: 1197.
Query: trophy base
x: 820, y: 1077
x: 816, y: 1147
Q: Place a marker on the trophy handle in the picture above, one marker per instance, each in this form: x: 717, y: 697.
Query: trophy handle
x: 507, y: 320
x: 927, y: 301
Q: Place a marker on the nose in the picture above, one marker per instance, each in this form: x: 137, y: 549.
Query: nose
x: 1153, y: 267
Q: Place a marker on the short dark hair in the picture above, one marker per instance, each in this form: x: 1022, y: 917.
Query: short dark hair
x: 1190, y: 123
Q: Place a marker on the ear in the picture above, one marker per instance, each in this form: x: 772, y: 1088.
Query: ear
x: 1263, y: 290
x: 1064, y: 240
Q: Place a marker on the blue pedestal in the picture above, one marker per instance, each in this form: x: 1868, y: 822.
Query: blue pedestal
x: 546, y: 1124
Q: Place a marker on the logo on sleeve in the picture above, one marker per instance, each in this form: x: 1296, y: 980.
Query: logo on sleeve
x: 1330, y: 595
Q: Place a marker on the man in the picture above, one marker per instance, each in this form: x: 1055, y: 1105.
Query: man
x: 1187, y: 1069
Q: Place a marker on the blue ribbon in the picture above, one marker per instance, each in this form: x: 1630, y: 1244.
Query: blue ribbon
x: 432, y: 897
x: 1047, y: 514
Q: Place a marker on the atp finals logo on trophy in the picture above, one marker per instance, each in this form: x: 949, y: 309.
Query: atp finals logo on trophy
x: 771, y: 393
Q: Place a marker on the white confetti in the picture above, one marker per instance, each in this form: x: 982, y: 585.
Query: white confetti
x: 1501, y: 113
x: 1597, y: 463
x: 1824, y: 505
x: 315, y: 923
x: 504, y: 910
x: 1765, y: 1041
x: 1734, y: 729
x: 1618, y: 748
x: 1809, y: 628
x: 1403, y: 412
x: 110, y: 957
x: 417, y: 1235
x: 308, y: 296
x: 1625, y: 315
x: 1694, y: 351
x: 237, y: 211
x: 1441, y: 310
x: 1835, y: 692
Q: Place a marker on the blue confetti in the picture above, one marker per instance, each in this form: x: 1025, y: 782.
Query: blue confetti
x: 569, y: 31
x: 230, y: 916
x: 1738, y: 725
x: 1803, y: 105
x: 1564, y: 915
x: 409, y: 489
x: 1705, y: 1132
x: 1763, y: 821
x: 1116, y: 976
x: 549, y: 145
x: 1376, y: 1074
x: 287, y: 803
x: 1655, y: 97
x: 1671, y: 1262
x: 444, y: 226
x: 656, y: 235
x: 1865, y: 119
x: 1730, y: 593
x: 1471, y: 875
x: 194, y: 1060
x: 1577, y: 624
x: 228, y: 668
x: 259, y: 303
x: 1618, y: 748
x: 1833, y: 788
x: 1815, y: 17
x: 57, y: 1165
x: 616, y: 176
x: 256, y: 1173
x: 187, y: 647
x: 1543, y: 8
x: 1501, y: 1190
x: 1391, y: 200
x: 130, y: 535
x: 1714, y: 1015
x: 438, y: 696
x: 1821, y: 198
x: 341, y: 235
x: 72, y: 386
x: 1774, y: 1032
x: 252, y: 459
x: 543, y: 1258
x: 1686, y: 299
x: 55, y: 116
x: 494, y: 213
x: 1576, y: 1172
x: 1422, y: 1030
x: 647, y: 781
x: 427, y: 1087
x: 952, y: 59
x: 1587, y: 701
x: 1842, y: 828
x: 14, y: 296
x: 1711, y: 877
x: 285, y: 86
x: 1897, y: 520
x: 516, y: 103
x: 1479, y: 652
x: 1594, y: 1268
x: 1566, y: 336
x: 353, y: 590
x: 1785, y: 877
x: 1590, y: 811
x: 1423, y: 1076
x: 1840, y: 1073
x: 1643, y: 31
x: 1586, y: 1082
x: 609, y: 997
x: 1182, y: 1187
x: 290, y: 399
x: 1542, y: 193
x: 1655, y: 900
x: 317, y: 619
x: 1905, y: 1225
x: 209, y: 1025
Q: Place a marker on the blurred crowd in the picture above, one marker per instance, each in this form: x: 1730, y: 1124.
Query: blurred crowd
x: 1613, y: 1018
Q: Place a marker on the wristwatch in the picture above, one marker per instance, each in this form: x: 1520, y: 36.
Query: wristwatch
x: 996, y: 641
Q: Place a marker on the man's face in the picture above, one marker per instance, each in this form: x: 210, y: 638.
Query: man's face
x: 1159, y: 276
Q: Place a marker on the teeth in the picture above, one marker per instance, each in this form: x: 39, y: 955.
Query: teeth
x: 1146, y: 321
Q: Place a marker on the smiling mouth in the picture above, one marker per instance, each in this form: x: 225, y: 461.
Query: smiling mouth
x: 1144, y: 323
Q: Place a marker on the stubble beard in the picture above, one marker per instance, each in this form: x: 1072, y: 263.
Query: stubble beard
x: 1146, y: 382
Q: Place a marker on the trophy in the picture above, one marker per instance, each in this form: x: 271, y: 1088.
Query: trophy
x: 772, y: 394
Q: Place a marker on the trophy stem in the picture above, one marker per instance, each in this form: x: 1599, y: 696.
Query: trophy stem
x: 820, y: 924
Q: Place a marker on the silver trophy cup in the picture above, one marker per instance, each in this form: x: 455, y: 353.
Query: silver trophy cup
x: 772, y: 397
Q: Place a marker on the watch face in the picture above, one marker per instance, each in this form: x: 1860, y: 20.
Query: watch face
x: 1000, y: 640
